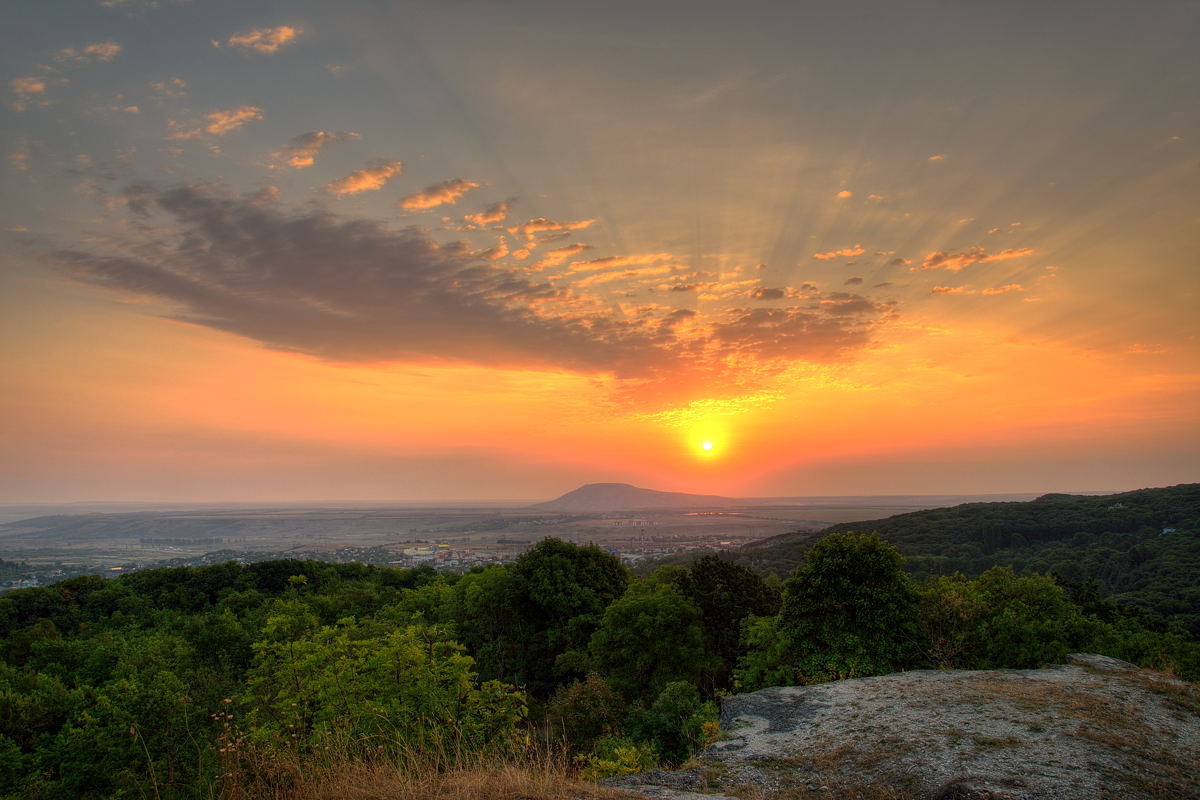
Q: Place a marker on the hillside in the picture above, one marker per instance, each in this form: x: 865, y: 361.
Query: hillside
x: 1142, y: 548
x: 623, y: 497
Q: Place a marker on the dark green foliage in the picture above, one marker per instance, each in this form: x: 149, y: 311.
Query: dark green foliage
x: 560, y: 594
x: 1142, y: 547
x: 726, y: 593
x: 850, y: 610
x: 675, y: 723
x: 580, y: 713
x: 649, y: 638
x: 109, y: 688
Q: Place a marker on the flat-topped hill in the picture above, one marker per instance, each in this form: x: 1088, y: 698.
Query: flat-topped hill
x: 606, y: 497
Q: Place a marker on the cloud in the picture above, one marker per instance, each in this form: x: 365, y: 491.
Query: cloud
x: 763, y: 293
x: 844, y: 194
x: 494, y: 213
x: 795, y: 333
x: 369, y: 179
x: 29, y: 92
x: 560, y: 254
x: 853, y: 281
x: 938, y: 157
x: 26, y: 152
x: 302, y: 150
x: 1009, y: 287
x: 622, y: 275
x: 216, y: 123
x: 437, y: 194
x: 845, y: 252
x: 940, y: 259
x: 171, y: 87
x: 100, y: 51
x: 615, y: 262
x: 541, y: 225
x: 354, y: 290
x: 262, y: 40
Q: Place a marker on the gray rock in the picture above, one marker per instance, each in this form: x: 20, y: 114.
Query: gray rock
x: 1095, y: 728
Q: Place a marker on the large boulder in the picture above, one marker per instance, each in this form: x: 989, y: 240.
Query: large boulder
x: 1095, y: 728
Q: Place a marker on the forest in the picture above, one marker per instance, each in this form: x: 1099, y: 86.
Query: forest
x: 247, y: 680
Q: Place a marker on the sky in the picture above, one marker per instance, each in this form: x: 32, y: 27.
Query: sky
x: 407, y: 251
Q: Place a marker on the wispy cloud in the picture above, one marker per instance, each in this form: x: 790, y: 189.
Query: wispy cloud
x: 542, y: 225
x: 302, y: 150
x: 262, y: 40
x: 615, y: 262
x: 171, y: 87
x: 30, y: 92
x: 216, y: 123
x: 560, y: 254
x: 1005, y: 289
x: 99, y: 51
x: 494, y: 213
x: 369, y: 179
x: 953, y: 262
x: 845, y: 252
x: 437, y: 194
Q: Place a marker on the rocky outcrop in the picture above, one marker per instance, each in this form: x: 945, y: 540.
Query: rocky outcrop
x: 1095, y: 728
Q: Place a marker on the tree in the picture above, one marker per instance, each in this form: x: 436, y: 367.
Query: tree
x: 726, y: 593
x: 648, y: 638
x: 850, y: 610
x: 560, y: 594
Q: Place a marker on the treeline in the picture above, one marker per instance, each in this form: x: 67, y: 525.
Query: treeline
x: 1141, y: 548
x: 189, y: 682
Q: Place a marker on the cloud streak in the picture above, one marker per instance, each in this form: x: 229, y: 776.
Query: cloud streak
x: 262, y: 40
x: 303, y: 150
x: 954, y: 262
x: 369, y: 179
x: 437, y: 194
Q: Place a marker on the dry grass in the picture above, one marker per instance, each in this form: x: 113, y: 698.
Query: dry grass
x: 530, y: 778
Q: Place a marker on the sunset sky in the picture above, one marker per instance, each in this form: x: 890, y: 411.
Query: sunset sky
x: 373, y: 251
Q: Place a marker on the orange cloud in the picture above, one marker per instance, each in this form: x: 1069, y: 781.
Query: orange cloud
x: 218, y: 123
x: 28, y: 92
x: 844, y: 194
x: 627, y: 274
x: 302, y: 150
x: 438, y: 194
x: 846, y: 252
x: 496, y: 212
x: 263, y: 40
x: 541, y: 224
x: 938, y: 157
x: 221, y: 122
x: 613, y: 262
x: 951, y: 290
x: 560, y: 254
x: 1009, y: 287
x: 100, y: 51
x: 369, y: 179
x: 940, y: 259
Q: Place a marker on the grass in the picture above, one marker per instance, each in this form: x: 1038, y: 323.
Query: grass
x: 529, y: 777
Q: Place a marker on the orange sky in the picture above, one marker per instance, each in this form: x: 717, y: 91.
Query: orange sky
x: 459, y: 253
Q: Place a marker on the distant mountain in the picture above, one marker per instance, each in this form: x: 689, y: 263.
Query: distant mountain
x: 623, y: 497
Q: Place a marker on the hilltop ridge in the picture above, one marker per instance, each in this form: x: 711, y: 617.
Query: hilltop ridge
x: 623, y: 497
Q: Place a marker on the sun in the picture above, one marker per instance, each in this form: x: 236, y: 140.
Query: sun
x: 706, y: 445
